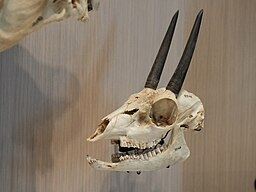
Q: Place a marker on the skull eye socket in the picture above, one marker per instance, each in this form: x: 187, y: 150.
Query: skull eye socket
x: 164, y: 112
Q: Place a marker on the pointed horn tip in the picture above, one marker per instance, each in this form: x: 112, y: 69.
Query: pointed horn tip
x: 200, y: 14
x: 199, y: 18
x: 175, y: 16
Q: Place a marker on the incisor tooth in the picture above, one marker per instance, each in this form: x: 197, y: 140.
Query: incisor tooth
x: 141, y: 157
x: 149, y: 154
x: 153, y: 153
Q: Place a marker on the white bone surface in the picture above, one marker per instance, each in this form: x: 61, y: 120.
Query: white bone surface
x: 132, y: 126
x: 21, y: 17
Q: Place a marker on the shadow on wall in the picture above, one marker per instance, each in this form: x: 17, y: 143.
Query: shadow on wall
x: 131, y: 182
x: 32, y: 96
x: 120, y: 181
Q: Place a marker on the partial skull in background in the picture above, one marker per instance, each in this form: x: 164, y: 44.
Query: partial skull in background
x: 21, y: 17
x: 149, y: 127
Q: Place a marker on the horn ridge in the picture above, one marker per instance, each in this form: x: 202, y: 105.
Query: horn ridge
x: 158, y: 65
x: 179, y: 75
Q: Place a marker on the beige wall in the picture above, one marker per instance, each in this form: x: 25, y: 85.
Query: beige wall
x: 223, y: 156
x: 58, y: 83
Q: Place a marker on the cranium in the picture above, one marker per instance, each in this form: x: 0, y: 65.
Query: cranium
x: 21, y: 17
x: 148, y: 129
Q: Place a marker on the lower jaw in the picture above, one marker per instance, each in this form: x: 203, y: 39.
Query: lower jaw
x: 159, y: 161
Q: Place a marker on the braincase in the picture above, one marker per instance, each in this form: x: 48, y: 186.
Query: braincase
x: 188, y: 102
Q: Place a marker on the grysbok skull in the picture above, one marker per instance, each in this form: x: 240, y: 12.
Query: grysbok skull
x: 149, y: 128
x: 21, y: 17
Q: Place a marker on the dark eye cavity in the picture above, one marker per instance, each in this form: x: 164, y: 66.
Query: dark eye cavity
x: 164, y: 112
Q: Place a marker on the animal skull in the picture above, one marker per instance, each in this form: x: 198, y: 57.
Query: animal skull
x: 21, y: 17
x: 149, y: 127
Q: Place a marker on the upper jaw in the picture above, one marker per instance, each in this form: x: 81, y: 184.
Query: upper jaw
x: 122, y: 127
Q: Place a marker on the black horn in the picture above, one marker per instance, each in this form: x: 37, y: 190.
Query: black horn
x: 157, y: 68
x: 179, y: 75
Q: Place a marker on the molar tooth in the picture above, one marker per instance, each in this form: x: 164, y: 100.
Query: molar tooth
x: 162, y: 148
x: 121, y: 158
x: 142, y: 145
x: 158, y: 150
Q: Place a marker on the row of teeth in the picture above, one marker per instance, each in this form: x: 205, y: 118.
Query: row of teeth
x: 138, y: 145
x: 143, y: 156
